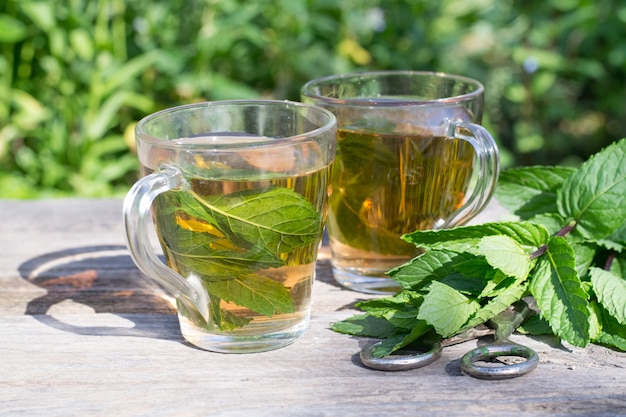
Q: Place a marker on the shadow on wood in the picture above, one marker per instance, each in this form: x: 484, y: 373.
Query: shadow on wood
x: 105, y: 279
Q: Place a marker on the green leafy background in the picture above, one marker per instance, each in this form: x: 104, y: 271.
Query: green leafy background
x: 76, y: 75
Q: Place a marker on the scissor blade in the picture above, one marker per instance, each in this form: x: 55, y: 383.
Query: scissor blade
x: 510, y: 319
x: 470, y: 334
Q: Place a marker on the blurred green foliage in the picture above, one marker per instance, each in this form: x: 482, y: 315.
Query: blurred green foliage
x: 76, y: 75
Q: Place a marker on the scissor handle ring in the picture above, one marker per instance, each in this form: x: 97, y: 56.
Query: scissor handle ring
x: 399, y: 362
x: 488, y: 352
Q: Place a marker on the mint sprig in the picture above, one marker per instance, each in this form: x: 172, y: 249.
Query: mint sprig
x: 566, y: 250
x: 242, y: 236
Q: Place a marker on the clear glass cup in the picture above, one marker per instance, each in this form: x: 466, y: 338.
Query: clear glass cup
x: 238, y: 193
x: 411, y: 156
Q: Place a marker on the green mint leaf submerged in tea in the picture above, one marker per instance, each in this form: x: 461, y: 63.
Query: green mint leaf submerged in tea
x: 278, y: 218
x: 566, y: 251
x: 258, y: 293
x: 250, y: 248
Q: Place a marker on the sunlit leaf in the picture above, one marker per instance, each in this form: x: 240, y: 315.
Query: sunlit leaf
x: 365, y: 325
x: 529, y: 191
x: 400, y: 310
x: 462, y: 238
x: 611, y: 292
x: 278, y: 219
x: 507, y: 255
x: 559, y: 294
x: 595, y: 195
x: 446, y: 309
x: 428, y: 266
x: 503, y: 300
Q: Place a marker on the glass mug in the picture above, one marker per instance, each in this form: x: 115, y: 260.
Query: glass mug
x: 411, y: 155
x: 238, y: 193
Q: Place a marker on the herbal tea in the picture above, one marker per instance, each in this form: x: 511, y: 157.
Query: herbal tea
x: 237, y: 192
x: 253, y: 245
x: 386, y: 185
x: 412, y: 156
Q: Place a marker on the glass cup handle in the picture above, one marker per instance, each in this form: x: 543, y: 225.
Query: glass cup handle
x: 488, y: 170
x: 137, y: 222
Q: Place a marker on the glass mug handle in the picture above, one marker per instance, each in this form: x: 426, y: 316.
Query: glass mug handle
x: 189, y: 293
x: 488, y: 170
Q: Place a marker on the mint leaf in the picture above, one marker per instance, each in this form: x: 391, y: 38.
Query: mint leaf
x: 505, y: 254
x: 615, y: 241
x: 428, y: 266
x: 464, y: 237
x: 496, y: 305
x: 348, y: 225
x: 536, y: 326
x: 497, y: 282
x: 469, y: 286
x: 612, y: 333
x: 229, y: 241
x: 462, y: 271
x: 595, y: 325
x: 365, y: 325
x: 223, y: 319
x: 357, y: 148
x: 530, y: 191
x: 616, y: 339
x: 401, y: 340
x: 611, y: 292
x: 400, y: 310
x: 595, y: 195
x: 525, y: 233
x: 278, y: 219
x: 584, y: 253
x: 260, y: 294
x: 216, y: 265
x: 191, y: 205
x: 559, y: 294
x: 553, y: 222
x: 446, y: 309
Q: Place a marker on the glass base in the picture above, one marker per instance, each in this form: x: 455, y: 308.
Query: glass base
x: 368, y: 284
x: 239, y: 343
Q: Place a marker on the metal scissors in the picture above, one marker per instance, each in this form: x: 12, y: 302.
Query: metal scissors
x: 502, y: 327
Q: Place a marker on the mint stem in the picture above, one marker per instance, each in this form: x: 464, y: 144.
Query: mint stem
x: 563, y: 232
x: 609, y: 260
x: 567, y: 229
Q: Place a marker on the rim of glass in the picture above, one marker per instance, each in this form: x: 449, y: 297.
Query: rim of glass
x: 308, y: 88
x: 330, y: 123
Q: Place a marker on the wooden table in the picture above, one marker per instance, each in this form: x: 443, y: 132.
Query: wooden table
x: 83, y: 332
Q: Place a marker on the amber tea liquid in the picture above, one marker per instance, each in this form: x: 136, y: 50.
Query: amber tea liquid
x: 386, y: 185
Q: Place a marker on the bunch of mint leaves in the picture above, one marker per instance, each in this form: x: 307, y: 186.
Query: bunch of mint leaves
x: 565, y: 248
x: 231, y: 241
